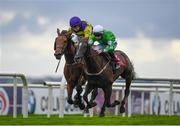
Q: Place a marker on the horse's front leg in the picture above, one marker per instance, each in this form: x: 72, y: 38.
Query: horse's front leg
x: 93, y: 97
x: 69, y: 92
x: 81, y: 81
x: 78, y: 97
x: 79, y: 90
x: 88, y: 89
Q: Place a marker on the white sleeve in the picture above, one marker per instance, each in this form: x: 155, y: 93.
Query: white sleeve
x: 75, y: 38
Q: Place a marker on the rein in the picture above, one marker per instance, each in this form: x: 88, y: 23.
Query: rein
x: 71, y: 64
x: 98, y: 73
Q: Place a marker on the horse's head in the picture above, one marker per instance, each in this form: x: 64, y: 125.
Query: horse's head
x: 61, y: 43
x: 81, y: 51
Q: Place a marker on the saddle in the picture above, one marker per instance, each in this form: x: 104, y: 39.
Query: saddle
x: 117, y: 60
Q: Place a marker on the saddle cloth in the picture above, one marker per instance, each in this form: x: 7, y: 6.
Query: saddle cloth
x: 119, y: 60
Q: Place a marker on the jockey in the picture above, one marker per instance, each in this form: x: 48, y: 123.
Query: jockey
x: 80, y: 28
x: 104, y: 41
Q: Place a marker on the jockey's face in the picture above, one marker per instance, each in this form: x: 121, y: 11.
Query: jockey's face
x: 76, y: 28
x: 98, y: 36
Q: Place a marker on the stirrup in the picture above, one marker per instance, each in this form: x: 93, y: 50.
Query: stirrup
x: 117, y: 67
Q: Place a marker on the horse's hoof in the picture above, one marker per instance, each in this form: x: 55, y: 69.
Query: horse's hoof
x: 70, y: 101
x: 101, y: 115
x: 122, y: 109
x: 82, y: 106
x: 117, y: 102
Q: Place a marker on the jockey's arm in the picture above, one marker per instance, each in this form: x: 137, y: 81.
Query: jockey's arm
x: 111, y: 46
x: 91, y: 40
x: 87, y: 32
x: 111, y: 42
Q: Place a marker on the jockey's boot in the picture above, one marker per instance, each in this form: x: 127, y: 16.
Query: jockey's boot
x: 115, y: 66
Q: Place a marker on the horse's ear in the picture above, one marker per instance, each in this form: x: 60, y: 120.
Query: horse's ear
x: 58, y: 31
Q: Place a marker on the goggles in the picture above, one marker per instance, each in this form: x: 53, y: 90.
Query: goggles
x: 97, y: 34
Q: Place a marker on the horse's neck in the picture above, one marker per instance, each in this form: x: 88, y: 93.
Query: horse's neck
x: 95, y: 62
x: 69, y: 58
x: 69, y: 53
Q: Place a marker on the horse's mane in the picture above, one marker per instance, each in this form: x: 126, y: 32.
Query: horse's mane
x: 63, y: 32
x: 70, y: 42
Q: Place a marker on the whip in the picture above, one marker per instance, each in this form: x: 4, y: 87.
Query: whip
x: 58, y: 65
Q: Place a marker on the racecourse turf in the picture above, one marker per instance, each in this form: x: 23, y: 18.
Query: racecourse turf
x: 80, y: 120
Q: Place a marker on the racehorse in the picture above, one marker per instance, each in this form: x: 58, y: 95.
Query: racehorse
x: 100, y: 74
x: 73, y: 72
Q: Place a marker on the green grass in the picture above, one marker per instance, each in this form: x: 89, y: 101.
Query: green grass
x: 80, y: 120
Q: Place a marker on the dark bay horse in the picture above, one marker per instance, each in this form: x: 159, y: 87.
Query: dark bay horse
x: 73, y: 72
x: 100, y: 74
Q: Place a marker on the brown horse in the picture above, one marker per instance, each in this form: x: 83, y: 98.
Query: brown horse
x: 73, y: 72
x: 100, y: 74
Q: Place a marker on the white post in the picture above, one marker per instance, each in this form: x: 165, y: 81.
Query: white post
x: 117, y: 107
x: 171, y: 99
x: 150, y: 103
x: 25, y: 101
x: 15, y: 98
x: 122, y: 96
x: 142, y: 102
x: 157, y: 95
x: 129, y: 105
x: 49, y: 101
x: 62, y: 97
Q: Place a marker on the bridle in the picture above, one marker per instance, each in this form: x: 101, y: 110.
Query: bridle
x: 69, y: 44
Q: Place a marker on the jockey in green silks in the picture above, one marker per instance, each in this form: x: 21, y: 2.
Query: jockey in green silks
x: 105, y: 41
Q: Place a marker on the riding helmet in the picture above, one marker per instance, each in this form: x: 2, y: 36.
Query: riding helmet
x: 75, y: 21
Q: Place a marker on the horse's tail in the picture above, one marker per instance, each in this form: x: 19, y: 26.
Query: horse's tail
x: 131, y: 68
x: 133, y: 73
